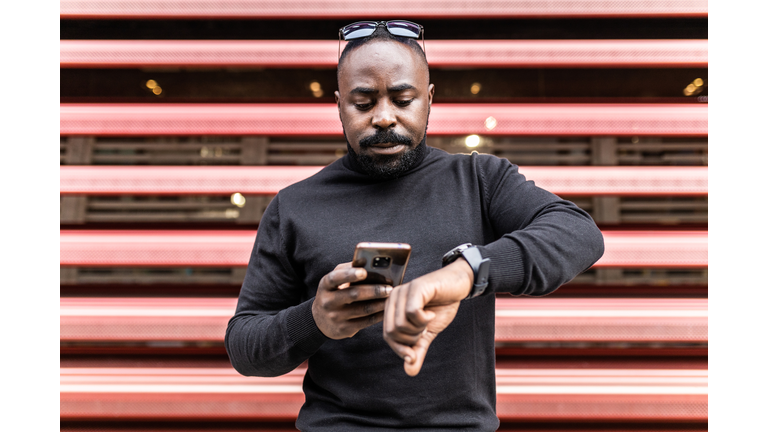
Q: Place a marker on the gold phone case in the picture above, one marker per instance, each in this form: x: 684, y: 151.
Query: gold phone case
x: 385, y: 262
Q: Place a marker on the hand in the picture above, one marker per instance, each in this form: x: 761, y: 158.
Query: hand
x: 341, y: 310
x: 416, y: 312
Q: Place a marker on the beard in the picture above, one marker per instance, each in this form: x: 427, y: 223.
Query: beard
x: 386, y: 167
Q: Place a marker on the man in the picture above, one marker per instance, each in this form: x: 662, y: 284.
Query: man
x: 296, y: 303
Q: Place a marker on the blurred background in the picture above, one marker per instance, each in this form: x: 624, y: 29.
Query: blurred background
x: 181, y: 120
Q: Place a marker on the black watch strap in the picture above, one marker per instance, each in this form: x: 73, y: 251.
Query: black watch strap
x: 480, y: 266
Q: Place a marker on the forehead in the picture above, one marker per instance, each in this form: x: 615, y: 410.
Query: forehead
x: 388, y: 61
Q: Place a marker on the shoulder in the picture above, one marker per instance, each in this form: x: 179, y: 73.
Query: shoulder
x: 322, y: 177
x: 495, y: 173
x: 330, y: 186
x: 489, y: 168
x: 483, y: 160
x: 489, y: 162
x: 441, y: 158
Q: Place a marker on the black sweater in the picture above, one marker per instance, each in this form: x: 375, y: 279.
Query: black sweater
x: 535, y: 241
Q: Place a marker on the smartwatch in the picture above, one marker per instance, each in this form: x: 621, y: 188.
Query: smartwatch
x: 480, y: 266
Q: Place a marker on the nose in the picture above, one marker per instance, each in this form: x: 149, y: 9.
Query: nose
x: 383, y: 115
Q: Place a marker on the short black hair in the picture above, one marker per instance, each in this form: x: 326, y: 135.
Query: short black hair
x: 380, y: 34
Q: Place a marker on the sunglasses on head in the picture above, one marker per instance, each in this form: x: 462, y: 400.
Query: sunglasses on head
x: 361, y: 29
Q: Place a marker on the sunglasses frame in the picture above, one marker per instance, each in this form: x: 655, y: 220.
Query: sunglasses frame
x: 384, y: 24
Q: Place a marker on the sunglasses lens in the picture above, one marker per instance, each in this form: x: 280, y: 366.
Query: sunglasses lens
x: 403, y: 28
x: 358, y: 30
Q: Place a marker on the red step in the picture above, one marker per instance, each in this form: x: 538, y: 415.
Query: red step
x: 517, y: 320
x: 233, y: 248
x: 179, y: 180
x: 323, y: 119
x: 349, y: 9
x: 441, y: 53
x: 522, y: 394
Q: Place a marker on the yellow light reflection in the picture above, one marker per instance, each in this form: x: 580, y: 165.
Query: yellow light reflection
x: 472, y: 141
x: 694, y: 88
x: 318, y: 93
x: 476, y: 87
x: 151, y: 84
x: 238, y: 199
x: 689, y: 90
x: 157, y: 90
x: 315, y: 86
x: 491, y: 123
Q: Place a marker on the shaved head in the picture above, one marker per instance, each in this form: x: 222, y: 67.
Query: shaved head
x: 380, y: 34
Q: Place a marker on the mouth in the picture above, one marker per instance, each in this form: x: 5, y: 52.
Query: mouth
x: 387, y: 148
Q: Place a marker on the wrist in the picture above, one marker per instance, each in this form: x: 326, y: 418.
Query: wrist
x: 462, y: 272
x: 479, y: 265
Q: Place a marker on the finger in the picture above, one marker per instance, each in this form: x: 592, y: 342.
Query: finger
x: 363, y: 309
x: 389, y: 318
x: 429, y: 314
x: 389, y: 331
x: 414, y: 308
x: 404, y: 338
x: 360, y: 293
x: 340, y: 267
x: 335, y: 278
x: 402, y: 324
x: 420, y: 352
x: 403, y: 351
x: 343, y: 266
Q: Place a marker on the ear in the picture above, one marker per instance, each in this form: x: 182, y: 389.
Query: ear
x: 338, y: 104
x: 431, y: 93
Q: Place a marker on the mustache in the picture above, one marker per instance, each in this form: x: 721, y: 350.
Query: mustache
x: 383, y: 137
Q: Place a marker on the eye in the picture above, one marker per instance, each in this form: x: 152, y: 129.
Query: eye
x: 363, y: 107
x: 403, y: 103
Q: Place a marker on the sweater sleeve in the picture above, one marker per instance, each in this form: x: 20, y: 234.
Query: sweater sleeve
x: 543, y: 241
x: 273, y: 330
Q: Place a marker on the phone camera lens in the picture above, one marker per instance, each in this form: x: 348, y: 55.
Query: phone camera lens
x: 381, y: 262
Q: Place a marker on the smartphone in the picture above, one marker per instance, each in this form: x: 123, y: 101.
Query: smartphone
x: 384, y: 262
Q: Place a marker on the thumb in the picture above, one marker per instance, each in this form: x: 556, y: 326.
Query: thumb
x: 420, y: 350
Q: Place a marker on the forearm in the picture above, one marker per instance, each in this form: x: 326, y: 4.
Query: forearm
x: 272, y: 331
x: 265, y: 344
x: 559, y: 243
x: 542, y: 241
